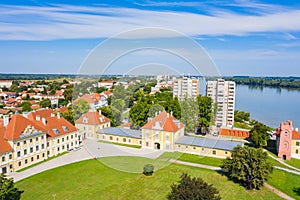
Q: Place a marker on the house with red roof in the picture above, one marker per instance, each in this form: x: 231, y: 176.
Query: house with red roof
x: 287, y: 141
x: 32, y: 137
x: 161, y: 132
x: 90, y: 122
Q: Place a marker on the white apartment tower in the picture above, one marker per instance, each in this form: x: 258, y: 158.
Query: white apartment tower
x: 185, y: 87
x: 223, y: 94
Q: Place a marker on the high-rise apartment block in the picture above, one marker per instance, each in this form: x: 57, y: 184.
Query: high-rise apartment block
x: 223, y: 94
x: 185, y: 87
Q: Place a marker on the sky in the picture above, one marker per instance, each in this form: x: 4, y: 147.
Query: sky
x: 242, y: 37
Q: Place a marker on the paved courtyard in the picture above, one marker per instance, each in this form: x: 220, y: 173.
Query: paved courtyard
x: 90, y: 149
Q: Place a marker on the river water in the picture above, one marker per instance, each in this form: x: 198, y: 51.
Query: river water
x: 269, y: 105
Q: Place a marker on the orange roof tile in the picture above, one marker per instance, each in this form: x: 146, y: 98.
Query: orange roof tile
x: 4, y: 145
x: 93, y: 118
x: 60, y: 124
x: 43, y: 113
x: 166, y: 122
x: 295, y: 135
x: 18, y: 124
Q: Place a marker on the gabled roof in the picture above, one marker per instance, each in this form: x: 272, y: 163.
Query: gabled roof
x: 92, y: 118
x: 90, y: 98
x: 17, y: 126
x: 4, y: 145
x: 58, y: 126
x: 295, y: 135
x: 43, y: 113
x: 164, y: 121
x: 208, y: 142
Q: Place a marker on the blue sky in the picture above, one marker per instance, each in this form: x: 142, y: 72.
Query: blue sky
x: 257, y: 38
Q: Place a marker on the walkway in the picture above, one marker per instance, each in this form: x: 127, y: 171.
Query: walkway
x: 282, y: 162
x: 276, y: 191
x: 90, y: 149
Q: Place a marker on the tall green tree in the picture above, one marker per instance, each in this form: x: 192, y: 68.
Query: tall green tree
x: 241, y: 116
x: 193, y: 189
x: 80, y: 107
x: 107, y: 112
x: 205, y: 106
x: 248, y: 166
x: 45, y: 103
x: 8, y: 191
x: 69, y: 116
x: 26, y: 106
x: 189, y: 114
x: 259, y: 134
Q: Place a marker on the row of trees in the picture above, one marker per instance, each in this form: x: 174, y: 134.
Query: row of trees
x: 284, y: 82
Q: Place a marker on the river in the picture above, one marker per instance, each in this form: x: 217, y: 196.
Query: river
x: 269, y: 105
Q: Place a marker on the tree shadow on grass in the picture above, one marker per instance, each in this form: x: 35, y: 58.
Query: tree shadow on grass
x: 297, y: 190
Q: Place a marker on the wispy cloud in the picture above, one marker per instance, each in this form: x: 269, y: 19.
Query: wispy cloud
x: 67, y: 22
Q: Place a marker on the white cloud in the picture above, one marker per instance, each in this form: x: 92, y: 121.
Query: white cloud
x: 67, y: 22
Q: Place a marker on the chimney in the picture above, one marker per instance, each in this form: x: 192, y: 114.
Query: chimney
x: 171, y: 113
x: 37, y: 118
x: 58, y: 115
x: 5, y: 120
x: 168, y: 115
x: 25, y: 114
x: 44, y: 120
x: 100, y: 112
x: 296, y: 129
x: 52, y: 115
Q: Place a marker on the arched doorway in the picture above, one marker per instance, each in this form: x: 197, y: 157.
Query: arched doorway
x: 156, y: 145
x: 284, y: 157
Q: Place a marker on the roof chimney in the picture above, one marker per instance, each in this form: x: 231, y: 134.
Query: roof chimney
x: 171, y: 113
x: 58, y: 115
x: 37, y: 118
x: 52, y: 115
x: 25, y: 114
x: 5, y: 120
x: 168, y: 115
x: 296, y: 129
x: 44, y: 120
x: 100, y: 112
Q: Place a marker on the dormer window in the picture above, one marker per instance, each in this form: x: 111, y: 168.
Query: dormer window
x: 56, y: 131
x: 65, y: 128
x: 85, y: 120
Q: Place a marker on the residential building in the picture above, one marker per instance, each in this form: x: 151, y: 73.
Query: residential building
x: 5, y: 83
x: 203, y: 146
x: 185, y: 87
x: 96, y: 100
x: 287, y: 141
x: 90, y: 122
x: 30, y: 138
x: 223, y: 95
x: 161, y: 132
x: 120, y: 135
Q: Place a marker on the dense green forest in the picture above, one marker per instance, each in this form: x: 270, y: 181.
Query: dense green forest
x: 278, y: 82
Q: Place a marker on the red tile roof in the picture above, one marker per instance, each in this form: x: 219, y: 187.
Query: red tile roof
x: 43, y: 113
x: 90, y: 98
x: 93, y: 118
x: 4, y: 145
x: 60, y: 124
x: 18, y: 124
x: 234, y: 132
x: 295, y: 135
x: 165, y: 121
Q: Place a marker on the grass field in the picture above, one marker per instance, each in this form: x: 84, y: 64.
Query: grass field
x: 285, y: 182
x: 294, y: 162
x: 92, y: 179
x: 25, y: 168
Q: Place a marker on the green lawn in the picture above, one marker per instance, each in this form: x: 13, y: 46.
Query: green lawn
x: 294, y: 162
x: 285, y: 182
x: 25, y: 168
x: 126, y: 145
x: 242, y: 125
x: 92, y: 179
